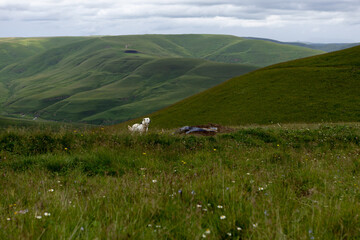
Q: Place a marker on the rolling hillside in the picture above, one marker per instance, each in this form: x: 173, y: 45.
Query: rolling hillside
x: 103, y: 80
x: 322, y: 88
x: 326, y: 47
x: 13, y: 50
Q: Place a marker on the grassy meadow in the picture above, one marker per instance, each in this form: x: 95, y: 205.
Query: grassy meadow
x: 256, y: 182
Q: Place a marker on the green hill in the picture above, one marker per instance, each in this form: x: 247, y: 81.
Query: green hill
x: 116, y: 78
x: 326, y: 47
x: 13, y: 50
x: 315, y: 89
x: 37, y: 124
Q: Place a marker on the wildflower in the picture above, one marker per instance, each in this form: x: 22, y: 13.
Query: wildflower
x: 203, y: 236
x: 15, y: 213
x: 82, y: 228
x: 8, y: 219
x: 248, y: 174
x: 158, y: 226
x: 198, y: 205
x: 47, y: 214
x: 66, y: 148
x: 222, y: 217
x: 51, y: 190
x: 149, y: 225
x: 239, y: 228
x: 205, y: 209
x: 266, y: 213
x: 183, y: 162
x: 311, y: 234
x: 255, y: 225
x: 261, y: 189
x: 278, y: 145
x: 193, y: 192
x: 154, y: 181
x: 24, y: 211
x: 219, y: 206
x: 207, y: 231
x: 214, y: 149
x: 38, y: 217
x: 144, y: 153
x: 229, y: 234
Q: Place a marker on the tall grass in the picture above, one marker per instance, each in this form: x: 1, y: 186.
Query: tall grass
x: 255, y: 183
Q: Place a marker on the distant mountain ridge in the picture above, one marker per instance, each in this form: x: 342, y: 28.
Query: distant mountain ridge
x: 326, y: 47
x: 109, y: 79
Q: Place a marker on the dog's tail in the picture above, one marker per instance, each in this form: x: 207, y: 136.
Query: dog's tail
x: 130, y: 128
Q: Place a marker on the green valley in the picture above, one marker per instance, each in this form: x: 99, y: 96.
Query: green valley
x: 110, y: 79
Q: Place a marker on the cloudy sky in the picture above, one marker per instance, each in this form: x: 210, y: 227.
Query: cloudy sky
x: 284, y: 20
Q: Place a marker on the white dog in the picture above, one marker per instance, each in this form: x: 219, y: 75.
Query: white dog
x: 143, y: 127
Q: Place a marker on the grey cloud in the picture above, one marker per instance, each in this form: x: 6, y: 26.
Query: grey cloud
x: 245, y: 9
x: 13, y: 7
x: 152, y: 16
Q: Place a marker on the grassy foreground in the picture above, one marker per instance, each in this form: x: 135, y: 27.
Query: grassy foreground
x: 253, y: 183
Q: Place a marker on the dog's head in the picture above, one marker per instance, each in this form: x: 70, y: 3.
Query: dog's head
x: 146, y: 121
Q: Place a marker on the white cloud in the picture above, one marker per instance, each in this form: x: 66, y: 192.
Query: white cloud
x: 257, y: 17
